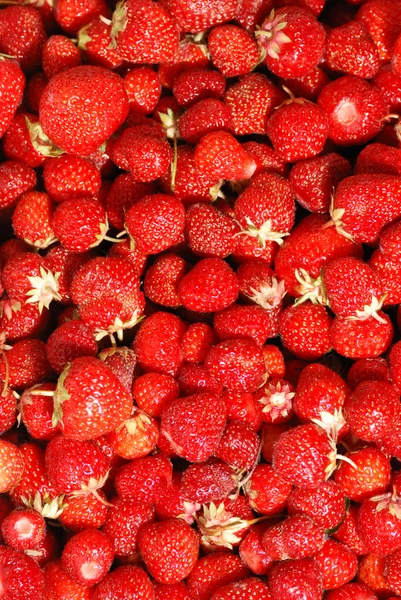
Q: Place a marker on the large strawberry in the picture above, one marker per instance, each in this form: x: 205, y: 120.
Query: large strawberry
x: 82, y: 107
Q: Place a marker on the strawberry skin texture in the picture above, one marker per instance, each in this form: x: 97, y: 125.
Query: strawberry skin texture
x: 361, y: 339
x: 325, y: 503
x: 12, y: 84
x: 305, y: 330
x: 60, y: 586
x: 213, y: 571
x: 16, y: 178
x: 371, y: 476
x: 29, y: 584
x: 196, y: 16
x: 233, y: 50
x: 344, y: 43
x: 337, y: 563
x: 93, y: 400
x: 296, y: 578
x: 247, y: 588
x: 100, y: 106
x: 123, y: 523
x: 123, y: 582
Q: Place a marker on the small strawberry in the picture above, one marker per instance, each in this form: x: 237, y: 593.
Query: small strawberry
x: 87, y: 556
x: 289, y: 579
x: 344, y: 43
x: 69, y: 177
x: 379, y: 523
x: 267, y: 491
x: 371, y: 574
x: 233, y: 51
x: 124, y: 192
x: 143, y: 89
x: 25, y: 364
x: 238, y: 321
x: 381, y: 19
x: 204, y: 117
x: 275, y: 399
x: 305, y: 330
x: 87, y: 122
x: 32, y: 219
x: 23, y: 529
x: 337, y: 563
x: 293, y: 41
x: 389, y: 274
x: 209, y: 232
x: 27, y: 50
x: 373, y: 369
x: 366, y: 338
x: 136, y: 437
x: 122, y: 581
x: 389, y: 83
x: 153, y: 391
x: 239, y: 445
x: 294, y: 538
x: 35, y: 411
x: 68, y: 341
x: 348, y: 532
x: 84, y: 512
x: 66, y: 265
x: 213, y: 571
x: 59, y: 54
x: 144, y: 32
x: 60, y: 586
x: 29, y: 585
x: 252, y: 552
x: 90, y: 221
x: 250, y: 13
x: 195, y: 378
x: 12, y: 83
x: 193, y: 85
x: 16, y: 179
x: 324, y: 503
x: 144, y: 479
x: 71, y: 15
x: 267, y: 161
x: 220, y: 155
x: 123, y: 522
x: 12, y: 463
x: 368, y: 475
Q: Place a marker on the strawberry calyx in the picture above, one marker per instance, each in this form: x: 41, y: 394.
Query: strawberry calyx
x: 332, y: 423
x: 119, y: 22
x: 169, y: 122
x: 370, y: 310
x: 104, y: 227
x: 60, y: 395
x: 269, y: 296
x: 49, y: 508
x: 83, y: 38
x: 310, y: 288
x: 271, y: 35
x: 139, y: 420
x: 8, y: 307
x: 45, y: 288
x: 263, y: 233
x: 277, y: 399
x: 216, y: 192
x: 336, y: 215
x: 390, y: 501
x: 118, y: 327
x: 92, y: 487
x: 39, y: 3
x: 41, y: 142
x: 190, y: 510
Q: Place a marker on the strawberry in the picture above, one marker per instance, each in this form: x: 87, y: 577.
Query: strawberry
x: 349, y: 591
x: 308, y: 126
x: 59, y: 54
x: 373, y: 369
x: 237, y: 364
x: 25, y: 364
x: 197, y: 341
x: 136, y: 437
x: 8, y: 410
x: 191, y: 54
x: 259, y: 285
x: 290, y: 579
x: 169, y: 549
x: 16, y: 179
x: 84, y: 512
x: 213, y: 571
x: 156, y: 222
x: 122, y: 361
x: 313, y: 180
x: 221, y: 156
x: 94, y: 43
x: 24, y: 141
x: 251, y: 100
x: 194, y: 425
x: 88, y: 411
x: 87, y: 123
x: 35, y: 411
x: 252, y: 552
x: 173, y: 591
x: 366, y: 338
x: 70, y: 176
x: 193, y: 85
x: 293, y: 41
x: 157, y: 344
x: 305, y: 330
x: 389, y: 84
x: 143, y: 89
x: 144, y: 479
x: 267, y: 491
x: 60, y: 586
x: 123, y: 523
x: 242, y: 406
x: 90, y: 219
x: 250, y: 13
x: 87, y: 557
x: 389, y: 274
x: 124, y: 192
x: 371, y: 574
x: 194, y: 17
x: 27, y: 50
x: 239, y: 445
x: 207, y: 482
x: 233, y: 51
x: 153, y: 391
x: 337, y: 563
x: 294, y: 538
x: 195, y: 378
x: 392, y: 572
x: 380, y: 18
x: 251, y: 587
x: 275, y: 400
x: 267, y: 161
x: 29, y: 585
x: 389, y: 240
x: 239, y: 321
x: 204, y: 117
x: 34, y: 90
x: 106, y: 292
x: 210, y: 232
x: 348, y: 533
x: 324, y: 503
x: 354, y: 108
x: 379, y: 523
x: 209, y: 286
x: 12, y: 464
x: 344, y: 43
x: 68, y: 341
x: 71, y: 15
x: 122, y: 581
x: 144, y: 32
x: 308, y: 86
x: 32, y: 219
x: 12, y: 83
x: 23, y: 529
x: 65, y: 264
x: 367, y: 476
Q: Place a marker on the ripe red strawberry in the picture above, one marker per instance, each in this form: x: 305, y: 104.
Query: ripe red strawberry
x: 252, y: 552
x: 313, y: 180
x: 66, y: 264
x: 239, y: 445
x: 195, y: 378
x: 213, y: 571
x: 305, y: 330
x: 144, y: 479
x: 298, y: 129
x: 194, y: 425
x: 267, y: 161
x: 344, y: 43
x: 361, y: 339
x: 34, y: 90
x: 36, y: 412
x: 373, y: 369
x: 156, y: 222
x: 267, y: 491
x: 68, y: 341
x: 60, y: 586
x: 27, y: 50
x: 389, y: 83
x: 197, y: 341
x: 204, y: 117
x: 251, y: 587
x: 173, y: 591
x: 208, y: 482
x: 194, y: 85
x: 210, y: 286
x: 12, y: 83
x: 379, y: 523
x: 136, y: 437
x: 220, y: 155
x: 195, y: 17
x: 324, y: 503
x: 337, y: 563
x: 275, y: 400
x: 162, y: 280
x: 71, y: 15
x: 122, y: 581
x: 251, y: 100
x: 351, y: 591
x: 233, y: 51
x: 367, y: 476
x: 29, y: 585
x: 124, y: 192
x: 238, y: 321
x: 90, y: 221
x: 59, y: 54
x: 84, y: 512
x: 294, y: 538
x: 87, y: 122
x: 70, y: 176
x: 24, y: 141
x: 12, y: 463
x: 210, y: 232
x: 389, y: 274
x: 293, y: 41
x: 143, y: 89
x: 381, y: 19
x: 169, y: 549
x: 123, y: 523
x: 94, y: 43
x: 153, y: 391
x: 309, y: 86
x: 371, y: 574
x: 290, y: 579
x: 392, y: 572
x: 16, y: 179
x: 348, y: 532
x: 144, y: 32
x: 87, y: 557
x: 8, y: 410
x: 26, y: 364
x: 90, y: 400
x: 32, y: 219
x: 250, y: 13
x: 389, y: 241
x: 354, y: 108
x: 23, y: 529
x: 395, y: 364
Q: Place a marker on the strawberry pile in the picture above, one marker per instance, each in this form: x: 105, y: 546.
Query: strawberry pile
x: 200, y: 300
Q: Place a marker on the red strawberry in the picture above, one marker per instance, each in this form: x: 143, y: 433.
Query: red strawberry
x: 220, y: 155
x: 252, y: 552
x: 392, y: 571
x: 251, y: 13
x: 29, y: 585
x: 275, y: 400
x: 373, y: 369
x: 210, y: 286
x: 87, y: 556
x: 210, y: 232
x: 194, y: 425
x: 123, y: 522
x: 371, y: 574
x: 351, y: 591
x: 25, y: 141
x: 290, y: 579
x: 25, y: 364
x: 68, y: 341
x: 213, y: 571
x: 367, y: 476
x: 239, y: 445
x: 122, y: 581
x: 389, y: 83
x: 90, y: 400
x: 389, y: 274
x: 20, y: 321
x: 204, y: 117
x: 293, y: 41
x: 153, y: 391
x: 15, y: 22
x: 60, y: 586
x: 344, y: 43
x: 348, y: 531
x: 194, y: 85
x: 143, y: 89
x: 251, y: 587
x: 87, y: 122
x: 389, y: 241
x: 381, y: 19
x: 379, y: 523
x: 233, y: 50
x: 124, y: 192
x: 195, y: 17
x: 90, y: 221
x: 309, y: 86
x: 66, y: 265
x: 12, y: 83
x: 144, y: 479
x: 23, y: 529
x: 294, y: 538
x: 32, y: 219
x: 162, y: 280
x: 298, y: 129
x: 305, y: 330
x: 354, y: 108
x: 15, y: 179
x: 267, y: 161
x: 69, y: 177
x: 84, y: 512
x: 36, y: 412
x: 34, y: 90
x: 338, y: 564
x: 324, y: 503
x: 59, y: 54
x: 144, y: 32
x: 11, y: 461
x: 267, y: 491
x: 94, y: 43
x: 366, y: 338
x: 251, y: 100
x: 238, y: 321
x: 71, y: 15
